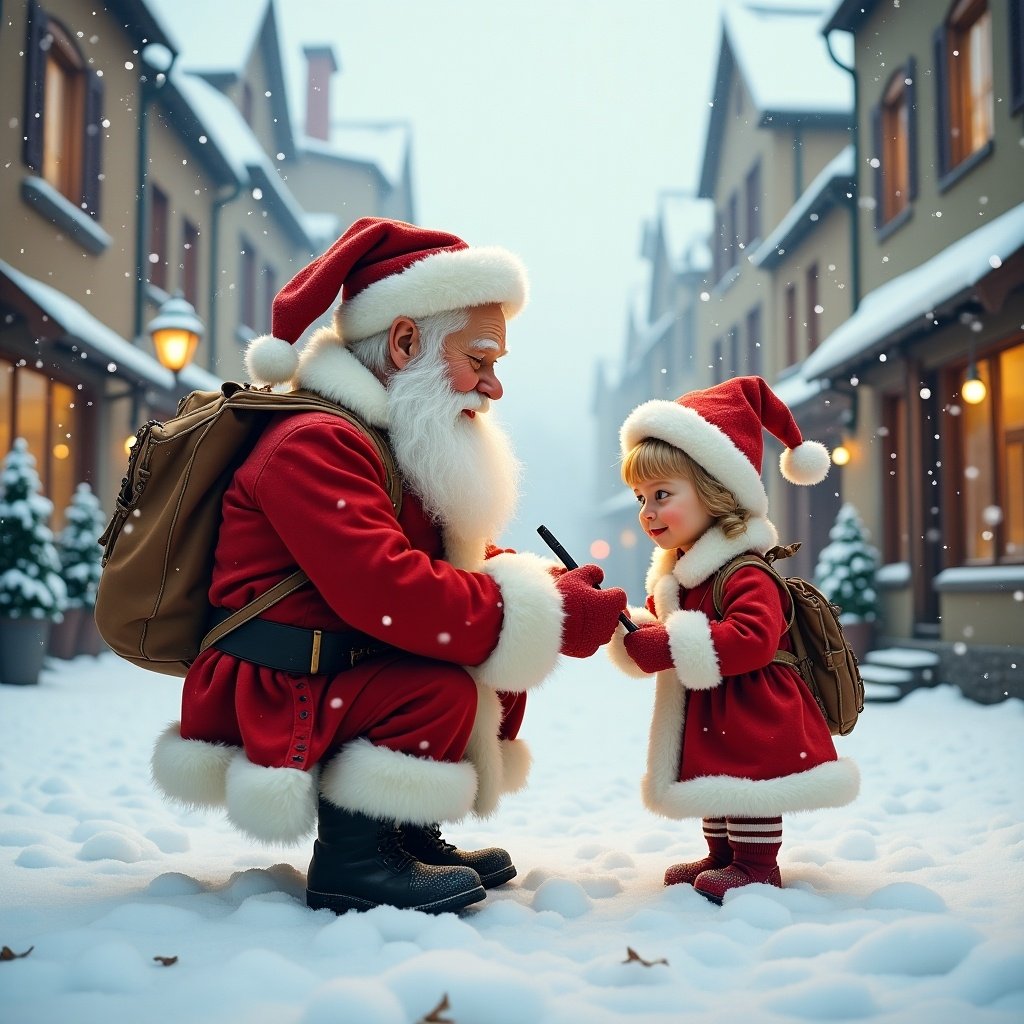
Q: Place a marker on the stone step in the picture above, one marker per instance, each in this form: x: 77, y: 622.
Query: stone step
x: 903, y: 657
x: 881, y: 693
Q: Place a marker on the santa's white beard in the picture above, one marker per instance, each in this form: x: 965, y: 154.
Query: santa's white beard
x: 462, y: 468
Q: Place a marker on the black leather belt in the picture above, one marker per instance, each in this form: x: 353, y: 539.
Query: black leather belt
x: 302, y: 652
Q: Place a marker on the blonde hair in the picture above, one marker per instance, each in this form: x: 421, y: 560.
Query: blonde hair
x: 653, y: 459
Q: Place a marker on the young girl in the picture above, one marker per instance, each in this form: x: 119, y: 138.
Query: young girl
x: 736, y: 739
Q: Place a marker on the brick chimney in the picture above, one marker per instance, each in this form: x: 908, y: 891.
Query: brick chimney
x: 320, y: 65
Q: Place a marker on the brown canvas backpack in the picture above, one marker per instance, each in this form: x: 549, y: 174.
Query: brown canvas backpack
x: 822, y: 655
x: 151, y: 606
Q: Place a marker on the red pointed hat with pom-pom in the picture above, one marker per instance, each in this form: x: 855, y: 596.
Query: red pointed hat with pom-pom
x: 721, y: 428
x: 381, y: 269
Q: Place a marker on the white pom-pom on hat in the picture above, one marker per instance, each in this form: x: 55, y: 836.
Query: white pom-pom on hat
x: 270, y: 360
x: 808, y: 463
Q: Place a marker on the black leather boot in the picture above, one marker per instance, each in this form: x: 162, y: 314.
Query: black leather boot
x: 424, y: 842
x: 359, y: 863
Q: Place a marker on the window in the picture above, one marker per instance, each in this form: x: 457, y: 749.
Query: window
x: 753, y: 196
x: 897, y: 479
x: 1016, y: 55
x: 963, y: 60
x: 46, y: 414
x: 895, y: 124
x: 247, y: 276
x: 790, y: 325
x: 190, y: 262
x: 754, y: 341
x: 732, y: 238
x: 159, y: 214
x: 989, y: 491
x: 63, y: 133
x: 269, y: 281
x: 814, y: 309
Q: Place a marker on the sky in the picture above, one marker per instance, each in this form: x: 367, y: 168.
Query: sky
x: 548, y: 127
x: 906, y: 907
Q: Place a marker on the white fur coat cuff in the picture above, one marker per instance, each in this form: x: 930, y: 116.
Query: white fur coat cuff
x: 531, y: 633
x: 693, y: 653
x: 617, y: 646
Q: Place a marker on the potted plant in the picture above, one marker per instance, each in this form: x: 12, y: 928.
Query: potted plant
x: 32, y: 593
x: 845, y: 574
x: 80, y: 569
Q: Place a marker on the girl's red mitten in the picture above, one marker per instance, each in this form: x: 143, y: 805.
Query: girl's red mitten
x: 648, y: 647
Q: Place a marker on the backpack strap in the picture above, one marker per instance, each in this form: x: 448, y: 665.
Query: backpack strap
x: 723, y: 574
x: 303, y: 401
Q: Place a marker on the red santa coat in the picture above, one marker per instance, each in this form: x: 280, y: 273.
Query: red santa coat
x: 312, y: 494
x: 731, y: 732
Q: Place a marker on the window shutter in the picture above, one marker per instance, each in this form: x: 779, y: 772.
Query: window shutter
x: 92, y: 147
x: 879, y: 144
x: 911, y: 98
x: 35, y: 88
x: 1016, y: 55
x: 941, y: 100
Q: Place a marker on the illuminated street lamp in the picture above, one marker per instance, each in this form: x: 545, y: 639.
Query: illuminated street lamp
x: 973, y: 391
x: 176, y: 331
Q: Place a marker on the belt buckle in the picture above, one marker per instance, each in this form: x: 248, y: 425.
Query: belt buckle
x: 314, y: 654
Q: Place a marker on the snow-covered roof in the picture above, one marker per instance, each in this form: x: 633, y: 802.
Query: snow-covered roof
x: 211, y: 37
x: 817, y: 197
x: 686, y: 223
x: 893, y: 309
x: 384, y: 146
x: 796, y: 390
x: 225, y: 126
x: 784, y: 59
x: 124, y: 359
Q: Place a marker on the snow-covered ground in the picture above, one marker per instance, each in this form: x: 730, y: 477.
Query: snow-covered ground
x: 906, y: 906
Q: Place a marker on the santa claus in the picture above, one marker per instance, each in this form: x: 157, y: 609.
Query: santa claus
x: 418, y: 639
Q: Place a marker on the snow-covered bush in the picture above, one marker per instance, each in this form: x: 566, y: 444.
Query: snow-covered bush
x: 846, y: 568
x: 79, y: 551
x: 30, y: 580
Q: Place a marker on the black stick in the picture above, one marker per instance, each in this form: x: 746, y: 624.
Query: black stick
x: 570, y: 563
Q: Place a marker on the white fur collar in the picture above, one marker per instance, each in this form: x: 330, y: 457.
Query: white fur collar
x: 330, y: 369
x: 709, y: 554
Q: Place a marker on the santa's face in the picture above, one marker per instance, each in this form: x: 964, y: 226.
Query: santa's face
x: 471, y: 355
x: 461, y: 465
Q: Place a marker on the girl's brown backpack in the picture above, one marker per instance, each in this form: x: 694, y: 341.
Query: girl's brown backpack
x: 822, y: 654
x: 151, y: 606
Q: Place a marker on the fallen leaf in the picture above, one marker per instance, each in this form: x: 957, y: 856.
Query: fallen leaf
x: 434, y: 1017
x: 633, y: 956
x: 8, y: 954
x: 166, y: 961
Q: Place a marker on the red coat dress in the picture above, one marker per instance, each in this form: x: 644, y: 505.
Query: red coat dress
x: 479, y: 631
x: 731, y: 732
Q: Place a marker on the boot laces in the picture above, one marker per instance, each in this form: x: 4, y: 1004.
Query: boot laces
x: 434, y: 834
x: 389, y: 846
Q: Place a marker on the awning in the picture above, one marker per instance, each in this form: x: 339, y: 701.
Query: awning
x: 40, y: 302
x: 909, y: 304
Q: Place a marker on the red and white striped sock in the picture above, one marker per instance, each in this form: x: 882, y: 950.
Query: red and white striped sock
x: 755, y: 845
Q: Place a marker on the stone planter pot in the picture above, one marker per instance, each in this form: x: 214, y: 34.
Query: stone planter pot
x: 861, y: 636
x: 89, y: 639
x: 65, y: 636
x: 23, y: 646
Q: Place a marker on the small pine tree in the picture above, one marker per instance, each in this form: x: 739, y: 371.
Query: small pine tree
x: 79, y: 551
x: 846, y: 568
x: 30, y: 581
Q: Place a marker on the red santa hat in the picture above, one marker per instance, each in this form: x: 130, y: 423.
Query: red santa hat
x: 721, y: 427
x: 382, y: 269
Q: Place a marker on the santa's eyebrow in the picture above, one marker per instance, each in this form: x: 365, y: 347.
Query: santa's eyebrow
x: 485, y: 343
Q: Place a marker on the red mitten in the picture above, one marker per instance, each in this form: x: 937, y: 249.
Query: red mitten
x: 591, y: 615
x: 648, y: 647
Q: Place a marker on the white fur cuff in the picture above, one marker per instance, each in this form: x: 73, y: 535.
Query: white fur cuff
x: 531, y: 633
x: 272, y: 805
x: 617, y: 646
x: 190, y: 772
x: 390, y: 785
x: 693, y: 653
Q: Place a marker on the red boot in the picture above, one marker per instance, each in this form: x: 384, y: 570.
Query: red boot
x: 719, y: 855
x: 755, y: 844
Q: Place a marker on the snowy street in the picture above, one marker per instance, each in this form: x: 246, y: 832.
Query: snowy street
x: 904, y: 907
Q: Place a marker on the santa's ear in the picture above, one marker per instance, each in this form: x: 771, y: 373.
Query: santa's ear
x: 403, y: 341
